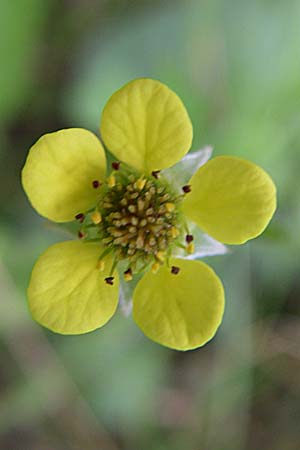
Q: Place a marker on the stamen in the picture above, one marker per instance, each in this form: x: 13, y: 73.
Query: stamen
x: 140, y: 183
x: 132, y: 208
x: 128, y: 274
x: 81, y: 234
x: 149, y: 211
x: 189, y: 238
x: 155, y: 267
x: 136, y: 219
x: 155, y: 173
x: 116, y: 165
x: 190, y: 248
x: 169, y: 207
x: 96, y: 217
x: 100, y: 265
x: 174, y: 232
x: 141, y: 205
x: 111, y: 181
x: 175, y: 270
x: 109, y: 280
x: 187, y: 188
x: 107, y: 205
x: 160, y: 255
x: 96, y: 184
x: 140, y: 241
x: 80, y: 217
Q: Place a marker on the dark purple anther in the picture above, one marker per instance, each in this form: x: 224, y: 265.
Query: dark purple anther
x: 80, y: 234
x: 96, y: 184
x: 187, y: 188
x: 79, y: 217
x: 115, y: 165
x: 155, y: 173
x: 189, y: 238
x: 109, y: 280
x: 175, y: 270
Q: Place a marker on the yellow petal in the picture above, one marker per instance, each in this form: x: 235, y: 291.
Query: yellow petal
x: 180, y: 311
x: 232, y: 199
x: 67, y: 292
x: 59, y: 172
x: 146, y: 125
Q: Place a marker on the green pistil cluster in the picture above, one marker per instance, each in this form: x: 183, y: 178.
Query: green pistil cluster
x: 137, y: 219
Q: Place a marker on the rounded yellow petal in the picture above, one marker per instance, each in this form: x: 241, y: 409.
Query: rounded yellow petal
x: 67, y: 292
x: 146, y: 125
x: 59, y: 172
x: 232, y: 199
x: 180, y: 311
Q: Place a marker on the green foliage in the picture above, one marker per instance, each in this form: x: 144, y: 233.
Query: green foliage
x: 236, y: 66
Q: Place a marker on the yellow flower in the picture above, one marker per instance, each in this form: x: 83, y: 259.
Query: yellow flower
x: 143, y: 218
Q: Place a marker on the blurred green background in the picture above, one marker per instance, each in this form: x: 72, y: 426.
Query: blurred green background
x: 236, y: 65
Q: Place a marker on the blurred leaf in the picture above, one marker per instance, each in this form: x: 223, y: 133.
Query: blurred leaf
x: 20, y: 43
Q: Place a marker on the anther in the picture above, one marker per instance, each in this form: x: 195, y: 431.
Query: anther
x: 100, y: 265
x: 149, y: 211
x: 128, y: 275
x: 96, y: 184
x: 109, y: 280
x: 80, y: 217
x: 140, y: 183
x: 134, y: 220
x: 155, y: 173
x: 160, y: 256
x: 96, y: 217
x: 189, y: 238
x: 175, y: 270
x: 141, y: 205
x: 190, y: 248
x: 140, y: 241
x: 169, y: 206
x: 107, y: 205
x: 187, y: 188
x: 111, y: 181
x: 174, y: 232
x: 152, y: 241
x: 155, y: 267
x: 116, y: 215
x: 81, y: 234
x: 116, y: 165
x: 132, y: 208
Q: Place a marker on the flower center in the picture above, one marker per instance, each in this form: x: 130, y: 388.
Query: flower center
x: 137, y: 218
